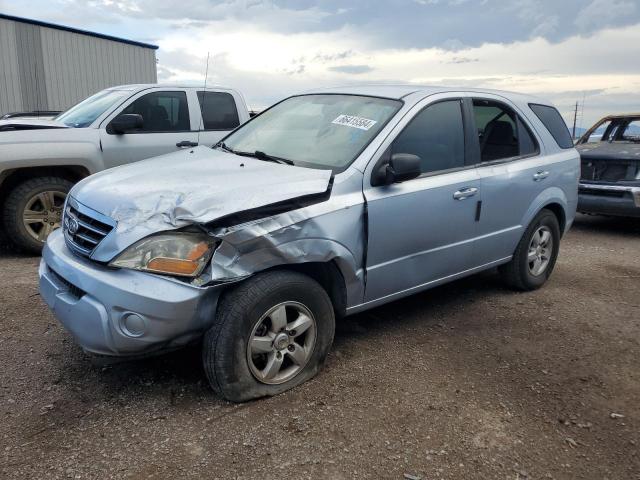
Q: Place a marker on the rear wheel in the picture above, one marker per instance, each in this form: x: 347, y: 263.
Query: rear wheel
x: 271, y: 333
x: 33, y: 209
x: 535, y: 255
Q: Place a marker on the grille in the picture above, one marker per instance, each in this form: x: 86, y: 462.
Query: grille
x: 82, y: 231
x: 73, y: 290
x: 602, y: 193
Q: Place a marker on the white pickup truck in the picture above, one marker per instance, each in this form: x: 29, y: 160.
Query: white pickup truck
x: 40, y: 160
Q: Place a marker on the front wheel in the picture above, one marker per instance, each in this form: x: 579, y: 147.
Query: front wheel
x: 33, y: 209
x: 271, y: 333
x: 535, y: 255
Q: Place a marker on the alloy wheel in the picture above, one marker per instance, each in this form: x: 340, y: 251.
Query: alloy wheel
x: 281, y: 343
x: 540, y: 251
x: 43, y: 214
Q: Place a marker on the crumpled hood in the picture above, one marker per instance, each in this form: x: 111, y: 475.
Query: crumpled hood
x: 13, y: 124
x: 192, y: 186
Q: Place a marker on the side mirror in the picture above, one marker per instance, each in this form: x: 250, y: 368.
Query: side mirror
x: 400, y: 168
x: 127, y: 122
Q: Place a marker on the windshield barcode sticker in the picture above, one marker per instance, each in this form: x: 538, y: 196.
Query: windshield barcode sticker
x: 355, y: 122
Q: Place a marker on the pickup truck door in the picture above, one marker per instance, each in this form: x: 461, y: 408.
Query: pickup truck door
x: 167, y: 127
x: 422, y: 231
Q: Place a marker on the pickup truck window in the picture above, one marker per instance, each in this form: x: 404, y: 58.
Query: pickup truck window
x: 218, y: 110
x: 162, y: 111
x: 85, y: 113
x: 317, y: 131
x: 436, y: 135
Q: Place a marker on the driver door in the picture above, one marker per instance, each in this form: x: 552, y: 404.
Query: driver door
x: 422, y: 230
x: 166, y: 128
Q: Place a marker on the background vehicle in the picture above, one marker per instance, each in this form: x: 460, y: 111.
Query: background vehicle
x: 610, y: 179
x: 40, y: 160
x: 324, y: 205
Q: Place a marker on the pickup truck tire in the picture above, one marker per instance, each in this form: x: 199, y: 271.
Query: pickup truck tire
x: 536, y: 253
x: 39, y: 194
x: 253, y: 349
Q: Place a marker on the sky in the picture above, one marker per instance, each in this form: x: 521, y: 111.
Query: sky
x: 563, y: 50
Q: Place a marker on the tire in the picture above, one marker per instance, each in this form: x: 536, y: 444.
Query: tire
x: 228, y: 362
x: 55, y: 190
x: 519, y: 273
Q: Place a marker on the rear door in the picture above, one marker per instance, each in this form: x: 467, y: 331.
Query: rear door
x: 511, y: 172
x: 167, y: 127
x: 422, y: 230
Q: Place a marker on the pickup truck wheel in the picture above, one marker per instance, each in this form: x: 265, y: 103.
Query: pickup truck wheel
x: 270, y: 334
x: 535, y: 255
x: 33, y: 209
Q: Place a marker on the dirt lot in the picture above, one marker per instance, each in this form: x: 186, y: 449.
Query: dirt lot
x: 465, y: 381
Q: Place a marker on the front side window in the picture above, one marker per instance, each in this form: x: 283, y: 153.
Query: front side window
x: 162, y: 111
x: 598, y: 134
x: 436, y: 135
x: 218, y: 110
x: 501, y: 132
x: 317, y: 131
x: 86, y: 112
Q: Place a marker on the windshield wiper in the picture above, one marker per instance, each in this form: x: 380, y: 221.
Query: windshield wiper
x: 257, y: 154
x: 224, y: 147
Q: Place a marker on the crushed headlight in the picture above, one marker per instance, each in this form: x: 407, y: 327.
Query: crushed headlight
x: 176, y: 253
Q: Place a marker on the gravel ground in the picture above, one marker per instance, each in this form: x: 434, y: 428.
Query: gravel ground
x: 468, y: 380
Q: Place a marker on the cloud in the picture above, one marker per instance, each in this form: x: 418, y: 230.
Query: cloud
x: 601, y: 13
x: 353, y: 69
x: 273, y: 48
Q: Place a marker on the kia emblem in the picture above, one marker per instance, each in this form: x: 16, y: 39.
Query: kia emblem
x: 73, y: 226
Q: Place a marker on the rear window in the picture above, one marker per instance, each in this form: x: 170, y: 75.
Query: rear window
x: 218, y: 111
x: 552, y: 119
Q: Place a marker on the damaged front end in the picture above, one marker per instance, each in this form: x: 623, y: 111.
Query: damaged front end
x: 148, y: 267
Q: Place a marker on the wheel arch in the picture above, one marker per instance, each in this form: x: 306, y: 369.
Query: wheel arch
x: 9, y: 179
x: 555, y: 200
x: 330, y: 278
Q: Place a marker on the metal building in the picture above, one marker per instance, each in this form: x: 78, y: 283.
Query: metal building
x: 51, y: 67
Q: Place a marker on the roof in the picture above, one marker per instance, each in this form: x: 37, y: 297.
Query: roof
x: 77, y: 30
x: 402, y: 91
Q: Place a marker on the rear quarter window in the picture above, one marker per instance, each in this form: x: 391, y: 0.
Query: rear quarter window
x: 553, y: 121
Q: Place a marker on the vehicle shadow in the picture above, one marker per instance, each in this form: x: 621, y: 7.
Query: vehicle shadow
x: 182, y: 370
x: 601, y: 225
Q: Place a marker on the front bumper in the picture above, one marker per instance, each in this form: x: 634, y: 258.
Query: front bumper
x: 121, y: 312
x: 608, y: 199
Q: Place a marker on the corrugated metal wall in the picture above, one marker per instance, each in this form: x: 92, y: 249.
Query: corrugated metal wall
x: 44, y: 68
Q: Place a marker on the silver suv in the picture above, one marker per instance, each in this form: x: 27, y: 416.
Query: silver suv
x: 324, y: 205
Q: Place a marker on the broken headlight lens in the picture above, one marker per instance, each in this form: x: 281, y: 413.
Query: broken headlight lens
x: 180, y: 254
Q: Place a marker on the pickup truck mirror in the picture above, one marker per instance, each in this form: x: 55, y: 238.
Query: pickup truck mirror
x: 399, y: 168
x: 127, y: 122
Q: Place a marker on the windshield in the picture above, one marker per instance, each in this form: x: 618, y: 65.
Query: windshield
x: 84, y: 113
x: 318, y: 131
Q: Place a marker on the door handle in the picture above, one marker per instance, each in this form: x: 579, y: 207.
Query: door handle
x: 186, y: 144
x: 465, y: 193
x: 541, y: 175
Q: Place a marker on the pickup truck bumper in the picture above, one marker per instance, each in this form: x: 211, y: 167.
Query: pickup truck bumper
x: 121, y: 312
x: 604, y: 199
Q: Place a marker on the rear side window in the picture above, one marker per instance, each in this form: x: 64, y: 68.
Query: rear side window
x: 218, y: 111
x: 436, y: 135
x: 553, y: 121
x: 501, y: 132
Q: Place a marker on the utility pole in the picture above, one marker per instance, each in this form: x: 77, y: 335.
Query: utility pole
x: 575, y: 118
